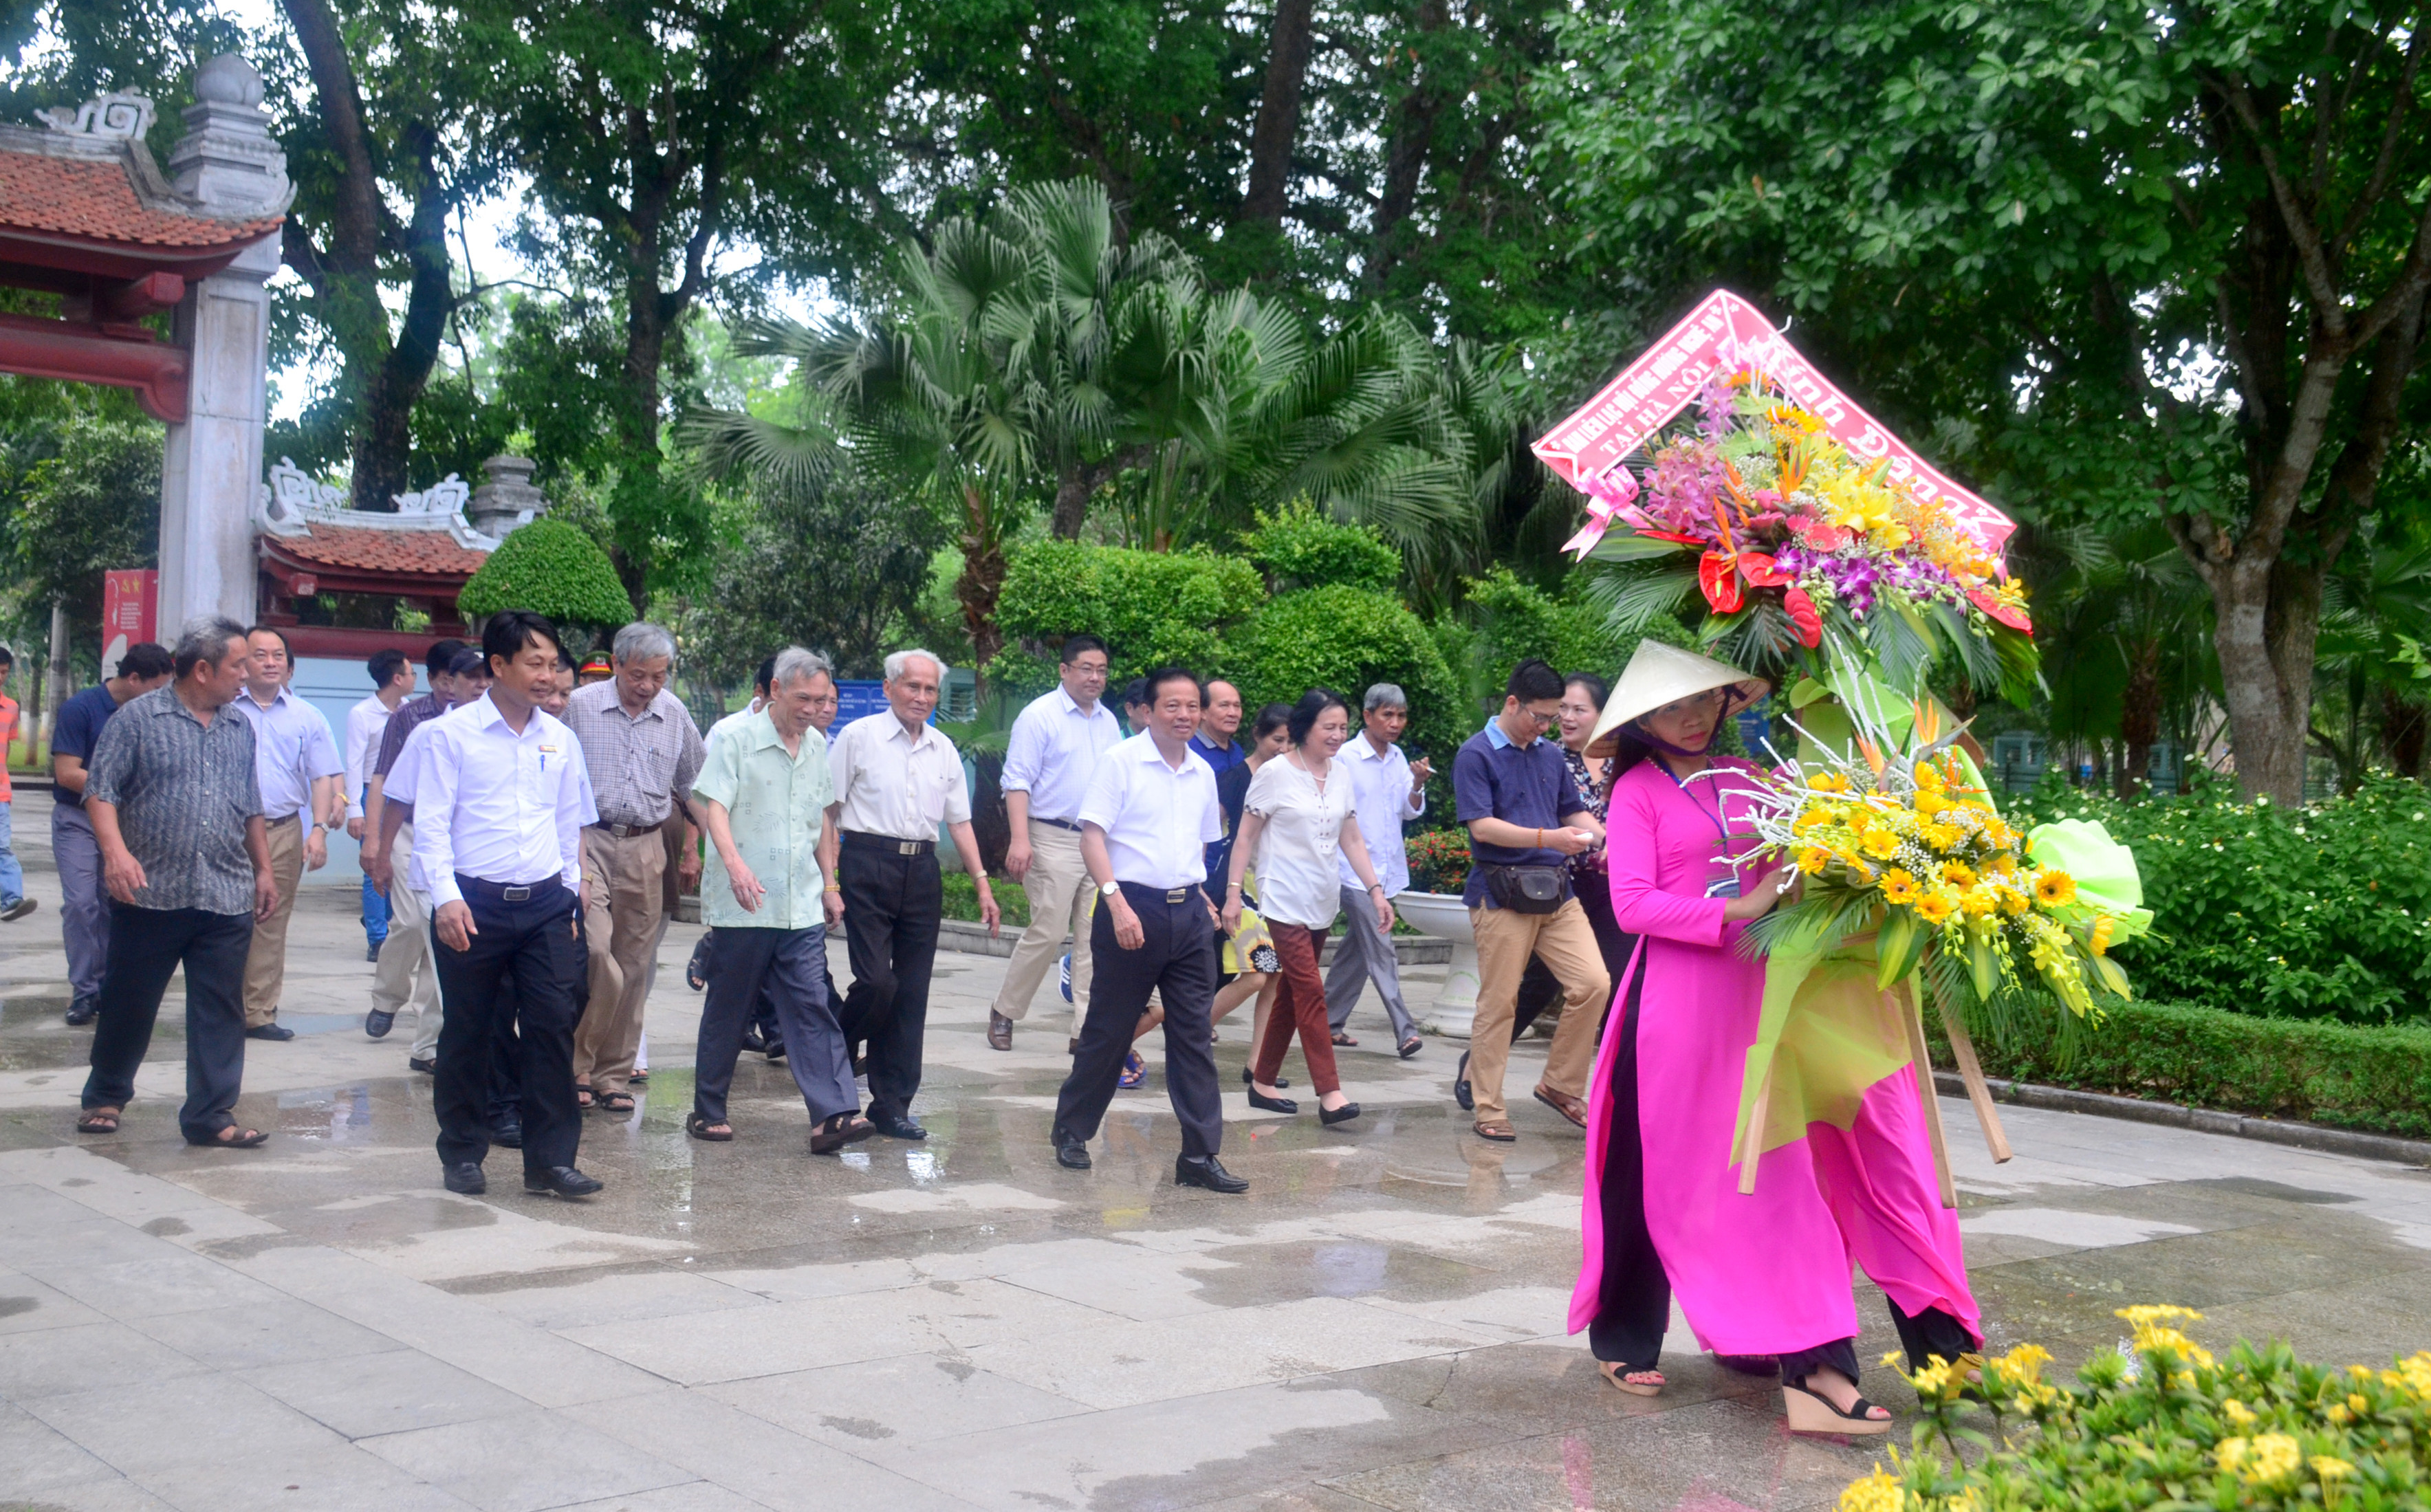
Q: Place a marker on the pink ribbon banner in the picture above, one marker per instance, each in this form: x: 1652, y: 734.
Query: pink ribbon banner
x: 1721, y: 336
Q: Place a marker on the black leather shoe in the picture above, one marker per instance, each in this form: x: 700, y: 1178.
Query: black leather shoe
x: 83, y: 1011
x: 1206, y: 1171
x: 895, y: 1127
x: 507, y: 1135
x: 775, y: 1049
x: 370, y: 953
x: 1071, y: 1152
x: 697, y: 969
x: 1272, y: 1104
x: 1341, y: 1115
x: 560, y: 1180
x: 377, y: 1024
x: 751, y: 1040
x: 424, y: 1064
x: 270, y: 1032
x: 1246, y: 1079
x: 1459, y: 1089
x: 466, y: 1180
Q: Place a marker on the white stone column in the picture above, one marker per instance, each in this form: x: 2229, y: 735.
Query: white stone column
x: 229, y: 167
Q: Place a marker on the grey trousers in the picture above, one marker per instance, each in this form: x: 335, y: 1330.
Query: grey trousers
x: 84, y: 911
x: 793, y: 964
x: 1361, y: 955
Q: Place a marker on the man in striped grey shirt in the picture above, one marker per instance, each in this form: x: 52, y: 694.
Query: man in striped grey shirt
x: 643, y: 751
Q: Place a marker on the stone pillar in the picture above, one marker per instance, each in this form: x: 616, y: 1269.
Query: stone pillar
x: 230, y: 168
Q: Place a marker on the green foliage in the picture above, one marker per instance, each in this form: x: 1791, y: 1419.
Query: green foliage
x: 1298, y: 548
x: 551, y: 568
x: 1439, y: 860
x: 2159, y: 1422
x: 963, y: 903
x: 2323, y: 912
x: 2351, y: 1076
x: 1346, y: 639
x: 87, y: 496
x: 1150, y: 608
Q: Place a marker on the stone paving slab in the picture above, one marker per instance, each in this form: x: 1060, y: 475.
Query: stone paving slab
x: 963, y: 1324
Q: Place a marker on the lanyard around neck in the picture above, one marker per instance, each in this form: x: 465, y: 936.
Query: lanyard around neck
x: 1713, y: 817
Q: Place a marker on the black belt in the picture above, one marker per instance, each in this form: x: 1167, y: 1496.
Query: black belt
x: 892, y: 845
x: 627, y: 831
x: 1141, y: 892
x: 1060, y: 824
x: 508, y: 892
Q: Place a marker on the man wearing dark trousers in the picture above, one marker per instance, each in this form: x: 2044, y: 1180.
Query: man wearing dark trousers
x: 84, y: 908
x: 500, y: 796
x: 1145, y: 825
x: 896, y: 778
x: 176, y: 811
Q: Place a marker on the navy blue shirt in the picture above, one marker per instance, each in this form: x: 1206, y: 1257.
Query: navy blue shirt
x: 1527, y: 785
x: 75, y: 730
x: 1224, y: 758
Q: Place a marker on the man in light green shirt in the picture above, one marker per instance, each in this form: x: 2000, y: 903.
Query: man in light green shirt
x: 765, y: 791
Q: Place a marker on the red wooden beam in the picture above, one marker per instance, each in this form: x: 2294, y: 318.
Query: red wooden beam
x: 123, y: 356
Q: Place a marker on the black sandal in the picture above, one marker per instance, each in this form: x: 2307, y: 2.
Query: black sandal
x: 613, y: 1103
x: 98, y: 1123
x: 1810, y: 1411
x: 839, y: 1131
x: 701, y: 1128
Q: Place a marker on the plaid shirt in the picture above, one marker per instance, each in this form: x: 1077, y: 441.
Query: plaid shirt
x: 409, y: 716
x: 184, y: 791
x: 638, y: 767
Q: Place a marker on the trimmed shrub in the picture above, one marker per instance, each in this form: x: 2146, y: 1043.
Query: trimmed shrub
x: 1439, y: 860
x: 1344, y: 639
x: 1149, y: 607
x: 1298, y: 548
x: 551, y: 568
x: 2323, y: 912
x: 2350, y: 1077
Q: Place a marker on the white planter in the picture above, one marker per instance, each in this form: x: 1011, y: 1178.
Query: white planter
x: 1444, y: 916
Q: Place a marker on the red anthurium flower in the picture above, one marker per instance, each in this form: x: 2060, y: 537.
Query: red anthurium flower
x: 1804, y: 618
x: 1760, y: 571
x: 1819, y: 534
x: 1719, y: 575
x: 2007, y: 615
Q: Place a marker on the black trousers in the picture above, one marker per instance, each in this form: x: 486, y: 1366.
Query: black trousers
x: 1539, y: 990
x: 892, y: 906
x: 1929, y: 1334
x: 754, y: 967
x: 520, y: 968
x: 1634, y: 1304
x: 146, y: 945
x: 1177, y: 961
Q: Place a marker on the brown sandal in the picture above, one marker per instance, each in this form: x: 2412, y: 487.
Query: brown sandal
x: 1502, y: 1133
x: 1563, y: 1103
x: 1341, y: 1039
x: 99, y: 1121
x: 841, y: 1130
x: 701, y: 1128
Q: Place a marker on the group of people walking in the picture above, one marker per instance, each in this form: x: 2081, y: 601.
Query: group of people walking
x: 523, y: 838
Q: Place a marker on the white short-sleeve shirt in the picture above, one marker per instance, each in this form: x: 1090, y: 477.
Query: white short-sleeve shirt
x: 1302, y: 840
x: 1158, y: 818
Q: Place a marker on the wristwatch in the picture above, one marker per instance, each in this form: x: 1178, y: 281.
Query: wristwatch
x: 1109, y: 889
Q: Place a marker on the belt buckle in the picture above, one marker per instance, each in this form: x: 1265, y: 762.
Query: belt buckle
x: 514, y: 895
x: 907, y: 848
x: 1178, y: 894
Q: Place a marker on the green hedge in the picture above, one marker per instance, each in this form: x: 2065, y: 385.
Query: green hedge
x: 1150, y: 608
x: 2323, y: 912
x: 2373, y: 1078
x: 551, y: 568
x: 1344, y: 639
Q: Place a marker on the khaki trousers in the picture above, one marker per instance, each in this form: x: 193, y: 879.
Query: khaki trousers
x: 405, y: 977
x: 265, y: 964
x: 1567, y: 944
x: 1060, y: 895
x: 627, y: 914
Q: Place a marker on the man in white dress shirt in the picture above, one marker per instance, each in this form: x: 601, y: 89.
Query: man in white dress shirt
x: 1387, y: 789
x: 1147, y: 817
x: 391, y: 684
x: 896, y: 778
x: 297, y: 762
x: 1049, y: 760
x: 500, y: 797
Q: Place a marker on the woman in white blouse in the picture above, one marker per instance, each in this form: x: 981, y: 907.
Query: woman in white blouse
x: 1299, y: 815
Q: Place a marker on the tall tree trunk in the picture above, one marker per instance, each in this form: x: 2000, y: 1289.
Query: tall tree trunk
x: 1405, y: 154
x: 2405, y: 723
x: 983, y: 580
x: 2268, y: 616
x: 2139, y: 714
x: 1278, y: 126
x: 383, y: 427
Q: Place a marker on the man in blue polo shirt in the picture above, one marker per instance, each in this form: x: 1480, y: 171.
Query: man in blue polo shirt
x: 1512, y: 789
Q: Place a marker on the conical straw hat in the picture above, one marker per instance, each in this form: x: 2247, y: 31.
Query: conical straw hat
x: 1660, y: 674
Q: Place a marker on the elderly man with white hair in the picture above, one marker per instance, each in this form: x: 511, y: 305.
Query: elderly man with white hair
x: 763, y: 793
x: 643, y: 751
x: 897, y: 779
x: 1386, y: 790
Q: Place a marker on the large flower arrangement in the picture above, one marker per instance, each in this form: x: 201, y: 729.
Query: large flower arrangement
x: 1806, y: 552
x: 1910, y: 843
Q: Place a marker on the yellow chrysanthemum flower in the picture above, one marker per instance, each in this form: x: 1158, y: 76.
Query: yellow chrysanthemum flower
x: 1828, y: 782
x: 1937, y: 906
x: 2014, y: 903
x: 1942, y: 837
x: 1877, y: 1492
x: 1958, y: 874
x: 1929, y: 804
x: 1813, y: 819
x: 1814, y: 860
x: 1899, y: 887
x: 1927, y: 779
x: 1880, y: 841
x: 1979, y: 903
x: 2054, y: 889
x: 2102, y: 929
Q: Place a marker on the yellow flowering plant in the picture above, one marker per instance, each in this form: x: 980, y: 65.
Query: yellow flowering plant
x: 1897, y: 834
x: 2161, y: 1424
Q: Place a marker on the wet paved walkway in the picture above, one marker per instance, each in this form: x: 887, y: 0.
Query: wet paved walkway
x: 961, y: 1323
